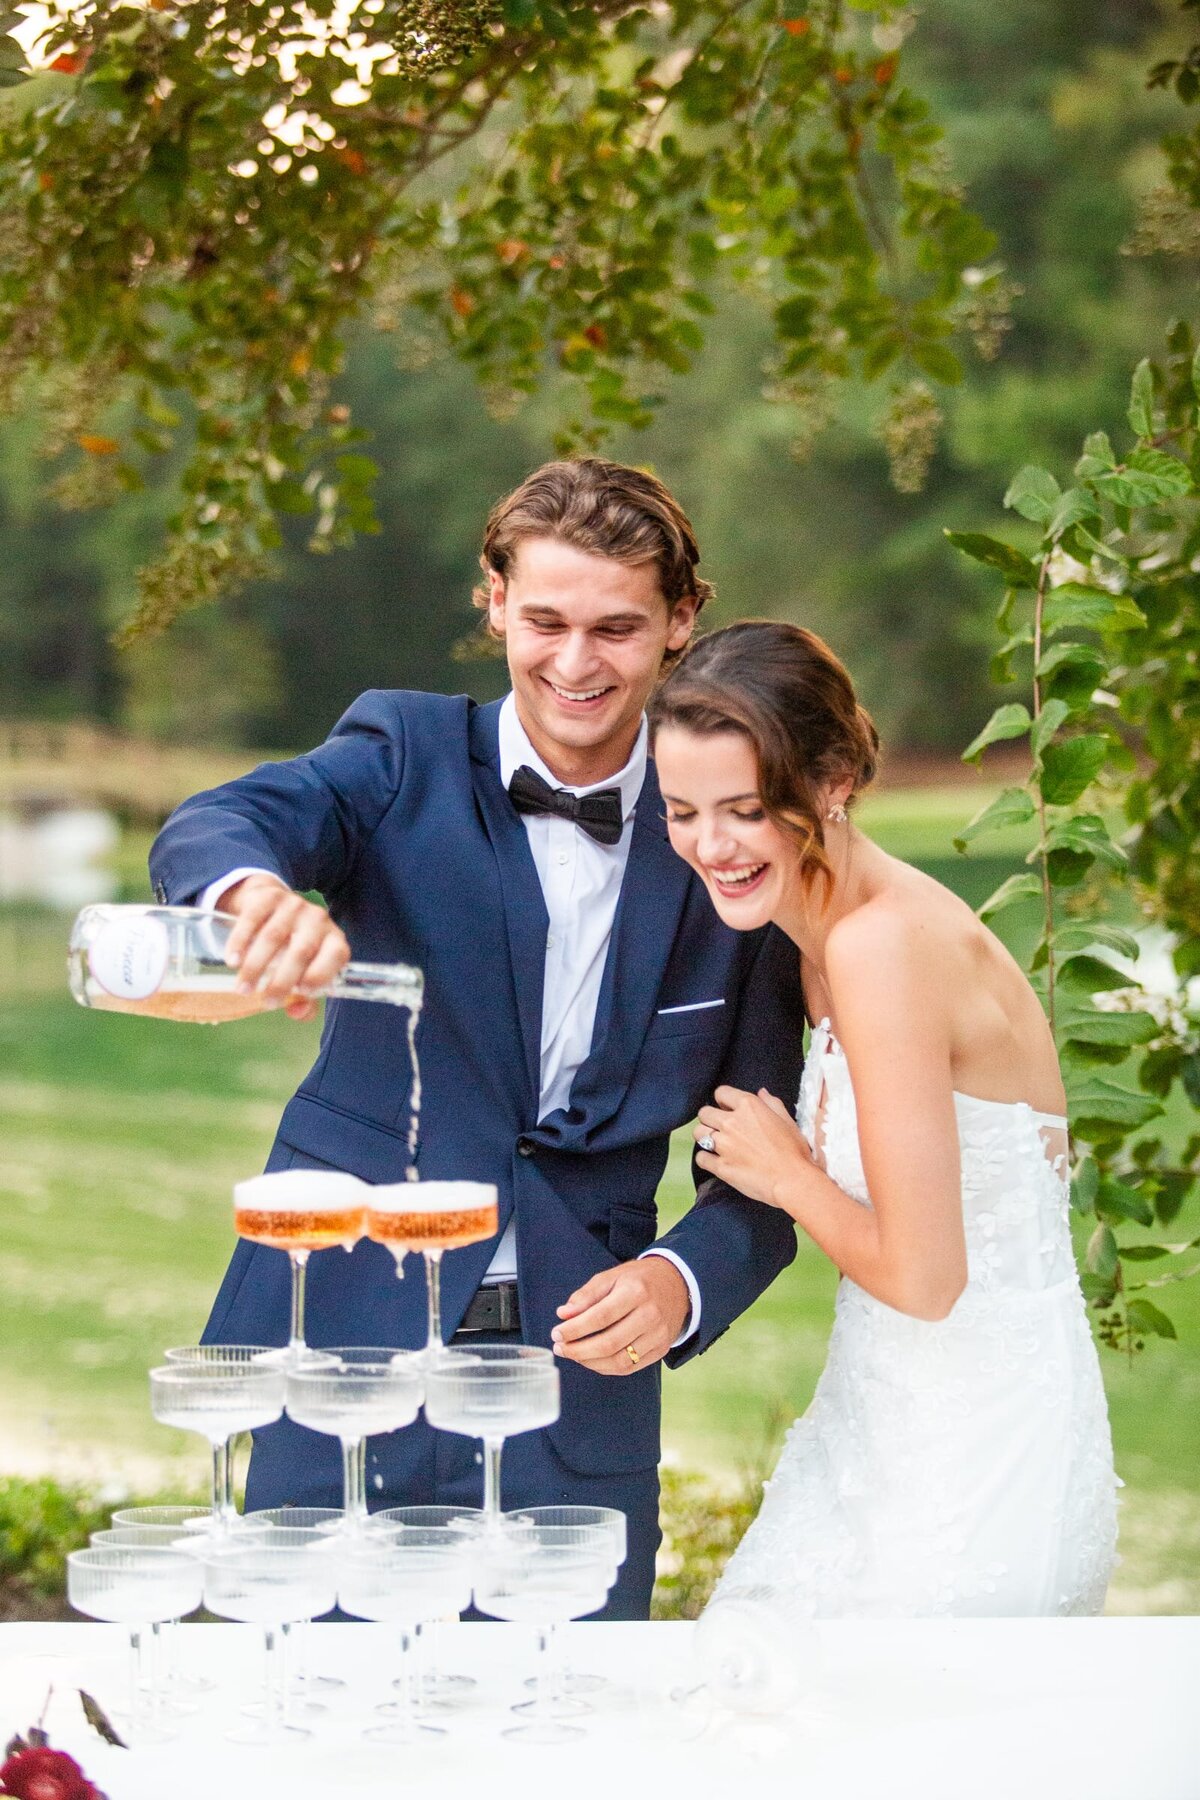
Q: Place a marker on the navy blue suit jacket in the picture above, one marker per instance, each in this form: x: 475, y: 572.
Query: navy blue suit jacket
x: 400, y: 821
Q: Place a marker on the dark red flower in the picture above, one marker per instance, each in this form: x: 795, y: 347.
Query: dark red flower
x: 45, y: 1774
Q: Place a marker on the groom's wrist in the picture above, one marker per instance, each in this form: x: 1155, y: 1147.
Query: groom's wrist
x: 691, y: 1322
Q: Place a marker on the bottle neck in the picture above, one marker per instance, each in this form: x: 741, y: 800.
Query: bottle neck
x: 395, y: 984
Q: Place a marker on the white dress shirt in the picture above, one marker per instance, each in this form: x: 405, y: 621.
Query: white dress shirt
x: 581, y: 884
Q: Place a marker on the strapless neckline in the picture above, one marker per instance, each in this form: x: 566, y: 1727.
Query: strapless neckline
x: 825, y: 1028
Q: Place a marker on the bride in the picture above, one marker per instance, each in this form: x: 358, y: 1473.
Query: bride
x: 956, y: 1457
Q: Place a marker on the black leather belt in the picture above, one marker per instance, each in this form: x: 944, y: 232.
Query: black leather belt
x: 494, y: 1308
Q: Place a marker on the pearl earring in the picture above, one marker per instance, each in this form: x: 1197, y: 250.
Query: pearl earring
x: 837, y: 814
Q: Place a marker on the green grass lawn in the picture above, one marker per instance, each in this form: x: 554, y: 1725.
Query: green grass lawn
x: 121, y: 1140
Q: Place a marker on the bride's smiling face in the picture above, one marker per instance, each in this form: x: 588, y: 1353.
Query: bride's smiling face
x: 716, y: 822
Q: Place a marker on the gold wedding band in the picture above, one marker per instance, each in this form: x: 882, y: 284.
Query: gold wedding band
x: 632, y: 1354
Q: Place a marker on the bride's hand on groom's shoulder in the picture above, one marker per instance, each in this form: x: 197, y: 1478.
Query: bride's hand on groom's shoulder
x: 757, y: 1146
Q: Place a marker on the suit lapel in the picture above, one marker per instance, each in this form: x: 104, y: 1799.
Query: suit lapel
x: 653, y: 894
x: 525, y: 915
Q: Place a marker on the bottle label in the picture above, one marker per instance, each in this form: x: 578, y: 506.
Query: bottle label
x: 128, y: 957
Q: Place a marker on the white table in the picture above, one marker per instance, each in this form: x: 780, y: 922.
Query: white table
x: 980, y: 1709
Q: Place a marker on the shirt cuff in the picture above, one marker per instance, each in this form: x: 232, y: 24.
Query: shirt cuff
x: 211, y: 897
x: 693, y: 1322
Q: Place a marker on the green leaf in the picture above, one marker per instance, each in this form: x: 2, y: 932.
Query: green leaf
x: 1116, y: 1202
x: 1012, y: 892
x: 1069, y: 768
x: 1170, y: 471
x: 1034, y: 493
x: 1098, y: 455
x: 1141, y: 399
x: 1093, y: 1027
x: 1152, y: 1252
x: 1053, y: 714
x: 1017, y: 570
x: 1087, y: 834
x: 1081, y: 974
x: 1012, y: 807
x: 1010, y: 721
x: 1073, y: 507
x: 1196, y: 374
x: 938, y: 361
x: 1074, y: 672
x: 1100, y: 1109
x: 1137, y: 487
x: 1093, y: 609
x: 1085, y: 1184
x: 1148, y: 1318
x: 1082, y: 935
x: 1101, y: 1254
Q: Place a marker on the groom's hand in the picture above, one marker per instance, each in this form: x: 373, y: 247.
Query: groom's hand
x: 643, y: 1304
x: 282, y: 944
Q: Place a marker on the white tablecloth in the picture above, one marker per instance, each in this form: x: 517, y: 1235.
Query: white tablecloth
x: 995, y: 1709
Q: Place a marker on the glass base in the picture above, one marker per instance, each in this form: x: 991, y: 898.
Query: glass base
x: 441, y: 1688
x: 404, y: 1731
x: 267, y: 1736
x: 393, y: 1709
x: 551, y: 1710
x: 185, y: 1686
x: 546, y: 1732
x: 325, y: 1684
x: 576, y: 1685
x: 145, y: 1736
x: 298, y: 1708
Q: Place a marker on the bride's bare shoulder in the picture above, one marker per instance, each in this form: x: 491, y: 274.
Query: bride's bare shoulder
x: 915, y: 923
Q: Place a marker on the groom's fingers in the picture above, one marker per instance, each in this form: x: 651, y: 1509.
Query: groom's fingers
x: 588, y: 1294
x: 602, y: 1312
x: 607, y: 1351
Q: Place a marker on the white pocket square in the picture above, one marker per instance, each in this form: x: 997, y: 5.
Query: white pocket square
x: 692, y: 1006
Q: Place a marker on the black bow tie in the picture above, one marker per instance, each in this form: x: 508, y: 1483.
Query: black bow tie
x: 598, y: 814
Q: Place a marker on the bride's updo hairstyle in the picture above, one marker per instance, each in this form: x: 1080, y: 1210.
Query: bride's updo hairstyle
x: 782, y: 688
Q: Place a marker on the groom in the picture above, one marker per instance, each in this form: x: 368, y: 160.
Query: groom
x: 582, y: 1000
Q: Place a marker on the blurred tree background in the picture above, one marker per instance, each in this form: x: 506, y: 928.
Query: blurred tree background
x: 1052, y: 131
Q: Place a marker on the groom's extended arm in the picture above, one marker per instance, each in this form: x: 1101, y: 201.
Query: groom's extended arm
x: 732, y: 1251
x: 304, y: 821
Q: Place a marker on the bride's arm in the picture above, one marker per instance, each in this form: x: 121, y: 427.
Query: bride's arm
x: 907, y: 1248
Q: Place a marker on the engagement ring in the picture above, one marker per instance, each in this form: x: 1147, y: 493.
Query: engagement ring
x: 708, y: 1143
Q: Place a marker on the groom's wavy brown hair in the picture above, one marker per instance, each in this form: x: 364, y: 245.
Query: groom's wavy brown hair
x: 783, y: 688
x: 603, y: 508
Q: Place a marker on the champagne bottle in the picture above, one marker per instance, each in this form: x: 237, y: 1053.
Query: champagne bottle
x: 168, y: 962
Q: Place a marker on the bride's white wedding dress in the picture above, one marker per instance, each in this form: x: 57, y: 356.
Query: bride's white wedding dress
x: 962, y: 1466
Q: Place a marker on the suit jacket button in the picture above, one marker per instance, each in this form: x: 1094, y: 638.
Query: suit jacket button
x: 525, y: 1146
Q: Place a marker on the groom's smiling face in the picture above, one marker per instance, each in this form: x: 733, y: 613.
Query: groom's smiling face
x: 585, y: 637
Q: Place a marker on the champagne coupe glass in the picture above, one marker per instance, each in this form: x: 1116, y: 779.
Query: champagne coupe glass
x: 136, y: 1585
x: 433, y: 1682
x: 238, y: 1355
x: 299, y: 1211
x: 492, y: 1391
x: 613, y: 1521
x: 542, y: 1581
x: 388, y: 1577
x: 368, y: 1390
x: 272, y: 1585
x: 187, y: 1524
x: 320, y: 1521
x: 432, y: 1217
x: 191, y: 1518
x: 218, y: 1397
x: 178, y: 1690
